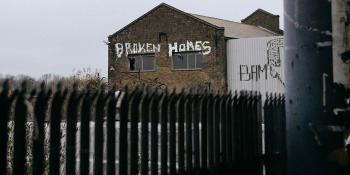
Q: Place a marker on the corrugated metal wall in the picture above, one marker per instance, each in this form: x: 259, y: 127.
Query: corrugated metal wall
x: 256, y: 64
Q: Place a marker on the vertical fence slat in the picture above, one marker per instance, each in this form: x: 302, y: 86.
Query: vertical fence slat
x: 238, y: 128
x: 85, y: 133
x: 172, y: 134
x: 244, y: 115
x: 216, y: 130
x: 6, y: 99
x: 250, y: 128
x: 260, y: 125
x: 283, y: 126
x: 21, y: 112
x: 188, y: 118
x: 100, y: 113
x: 228, y: 128
x: 181, y: 133
x: 40, y: 111
x: 222, y: 122
x: 204, y: 133
x: 154, y: 114
x: 73, y: 107
x: 144, y: 117
x: 268, y: 132
x: 210, y: 125
x: 55, y: 132
x: 134, y: 119
x: 123, y: 138
x: 164, y: 135
x: 255, y: 127
x: 243, y: 128
x: 196, y: 115
x: 111, y: 133
x: 233, y: 127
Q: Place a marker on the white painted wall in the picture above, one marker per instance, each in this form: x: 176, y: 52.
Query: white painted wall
x: 256, y: 64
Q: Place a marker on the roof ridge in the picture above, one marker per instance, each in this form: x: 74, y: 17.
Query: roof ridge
x: 215, y: 18
x: 224, y: 20
x: 267, y: 30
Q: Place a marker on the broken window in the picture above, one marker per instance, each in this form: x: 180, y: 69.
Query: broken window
x: 187, y: 61
x: 179, y: 62
x: 141, y: 63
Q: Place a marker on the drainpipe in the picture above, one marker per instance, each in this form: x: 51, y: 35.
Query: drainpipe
x: 309, y: 79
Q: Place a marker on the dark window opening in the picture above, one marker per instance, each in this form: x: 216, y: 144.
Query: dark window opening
x: 141, y: 63
x: 187, y: 61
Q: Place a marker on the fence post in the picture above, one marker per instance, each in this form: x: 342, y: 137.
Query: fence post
x: 111, y: 133
x: 210, y: 124
x: 267, y: 130
x: 100, y: 113
x: 260, y: 127
x: 21, y: 112
x: 223, y: 128
x: 85, y: 132
x: 172, y: 132
x: 123, y: 138
x: 229, y: 127
x: 6, y: 99
x: 196, y: 116
x: 180, y: 108
x: 154, y: 114
x: 216, y: 129
x: 40, y: 110
x: 144, y: 117
x: 250, y: 128
x: 73, y: 107
x: 188, y: 121
x: 164, y: 133
x: 55, y: 130
x: 204, y: 131
x: 233, y: 127
x: 134, y: 119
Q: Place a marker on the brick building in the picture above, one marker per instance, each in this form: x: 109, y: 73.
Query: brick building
x: 167, y: 47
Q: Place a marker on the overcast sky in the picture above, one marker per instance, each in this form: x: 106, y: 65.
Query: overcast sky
x: 59, y: 36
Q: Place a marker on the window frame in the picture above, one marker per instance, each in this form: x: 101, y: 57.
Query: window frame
x: 187, y: 55
x: 140, y: 56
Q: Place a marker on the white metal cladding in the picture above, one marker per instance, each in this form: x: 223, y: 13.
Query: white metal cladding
x: 256, y: 64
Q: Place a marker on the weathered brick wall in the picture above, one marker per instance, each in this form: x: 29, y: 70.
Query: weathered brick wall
x: 270, y: 22
x: 179, y: 28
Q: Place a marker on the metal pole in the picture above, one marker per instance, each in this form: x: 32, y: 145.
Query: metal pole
x: 308, y: 50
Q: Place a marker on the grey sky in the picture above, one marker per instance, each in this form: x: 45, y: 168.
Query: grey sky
x: 58, y: 36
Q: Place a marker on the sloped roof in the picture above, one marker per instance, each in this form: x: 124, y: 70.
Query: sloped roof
x: 232, y: 29
x: 172, y: 8
x: 237, y: 30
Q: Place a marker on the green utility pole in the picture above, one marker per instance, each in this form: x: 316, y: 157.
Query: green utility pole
x: 311, y: 141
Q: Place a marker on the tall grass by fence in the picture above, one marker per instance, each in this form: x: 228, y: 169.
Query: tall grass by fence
x: 158, y: 132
